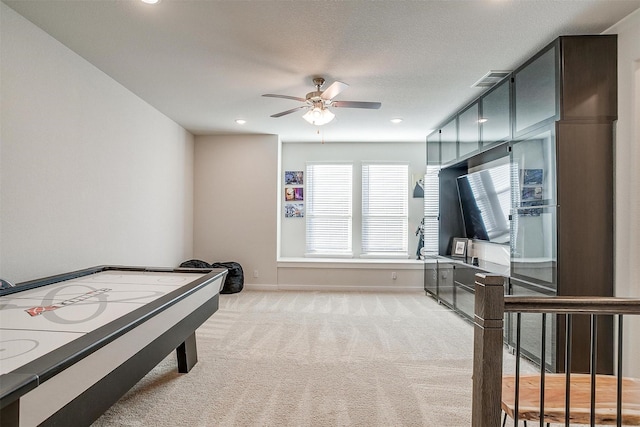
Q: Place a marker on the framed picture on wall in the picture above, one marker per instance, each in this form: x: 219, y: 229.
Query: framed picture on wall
x: 294, y: 210
x: 459, y: 247
x: 293, y: 178
x: 294, y: 193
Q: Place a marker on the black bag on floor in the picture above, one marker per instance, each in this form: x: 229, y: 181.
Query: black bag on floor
x: 235, y: 277
x: 195, y: 263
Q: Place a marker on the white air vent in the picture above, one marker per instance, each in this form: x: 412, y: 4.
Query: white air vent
x: 491, y: 78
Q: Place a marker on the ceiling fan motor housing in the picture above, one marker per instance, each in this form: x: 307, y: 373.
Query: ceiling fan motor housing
x: 314, y: 96
x: 318, y: 81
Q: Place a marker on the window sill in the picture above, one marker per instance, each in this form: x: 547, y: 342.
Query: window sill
x: 384, y: 256
x: 355, y: 263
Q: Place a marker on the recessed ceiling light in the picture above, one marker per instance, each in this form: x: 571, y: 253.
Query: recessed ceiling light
x: 241, y: 121
x: 151, y: 1
x: 396, y: 120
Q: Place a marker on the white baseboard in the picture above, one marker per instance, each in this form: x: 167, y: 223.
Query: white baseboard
x: 260, y: 287
x: 333, y: 288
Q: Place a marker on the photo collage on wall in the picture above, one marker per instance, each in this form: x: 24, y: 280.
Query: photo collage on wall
x: 294, y: 194
x: 532, y: 194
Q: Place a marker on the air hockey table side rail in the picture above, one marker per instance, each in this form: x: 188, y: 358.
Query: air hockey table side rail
x: 186, y: 308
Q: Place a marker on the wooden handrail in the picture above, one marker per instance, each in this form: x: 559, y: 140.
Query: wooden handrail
x: 574, y: 305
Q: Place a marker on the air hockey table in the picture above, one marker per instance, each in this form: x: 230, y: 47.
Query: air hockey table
x: 71, y: 345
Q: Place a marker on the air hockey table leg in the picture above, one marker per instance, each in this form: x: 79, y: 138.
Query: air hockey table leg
x: 187, y: 354
x: 10, y: 414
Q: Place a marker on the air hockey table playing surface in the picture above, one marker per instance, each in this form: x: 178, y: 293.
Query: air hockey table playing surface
x: 64, y: 339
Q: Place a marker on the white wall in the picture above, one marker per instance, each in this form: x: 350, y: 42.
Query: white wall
x: 236, y: 194
x: 89, y: 173
x: 627, y: 198
x: 351, y: 274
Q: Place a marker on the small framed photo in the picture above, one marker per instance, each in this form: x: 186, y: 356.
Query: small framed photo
x: 293, y: 178
x: 294, y: 193
x: 294, y: 210
x: 459, y: 247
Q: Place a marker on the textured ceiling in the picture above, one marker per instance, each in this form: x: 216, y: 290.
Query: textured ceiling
x: 206, y: 63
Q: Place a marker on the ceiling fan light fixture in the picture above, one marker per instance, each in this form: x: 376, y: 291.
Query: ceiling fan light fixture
x: 317, y: 102
x: 318, y: 116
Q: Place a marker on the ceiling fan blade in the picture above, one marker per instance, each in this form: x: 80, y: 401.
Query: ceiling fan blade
x: 334, y: 89
x: 295, y: 98
x: 356, y: 104
x: 293, y: 110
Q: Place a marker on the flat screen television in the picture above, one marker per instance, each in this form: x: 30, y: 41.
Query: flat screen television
x: 485, y: 202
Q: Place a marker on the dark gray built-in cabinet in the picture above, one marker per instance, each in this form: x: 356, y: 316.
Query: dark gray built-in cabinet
x: 552, y: 121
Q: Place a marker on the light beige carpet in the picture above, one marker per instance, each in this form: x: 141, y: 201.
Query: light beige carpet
x: 314, y: 359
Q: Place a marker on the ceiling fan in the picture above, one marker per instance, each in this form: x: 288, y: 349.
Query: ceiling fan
x: 318, y: 102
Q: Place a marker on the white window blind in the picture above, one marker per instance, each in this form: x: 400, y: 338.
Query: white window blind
x: 329, y: 209
x: 385, y: 207
x: 515, y: 201
x: 431, y: 209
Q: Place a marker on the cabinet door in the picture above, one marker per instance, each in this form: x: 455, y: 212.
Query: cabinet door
x: 496, y: 117
x: 464, y: 284
x: 433, y: 148
x: 468, y: 131
x: 533, y: 245
x: 533, y: 174
x: 534, y: 211
x: 531, y: 327
x: 445, y: 283
x: 448, y: 142
x: 464, y: 300
x: 586, y: 208
x: 589, y: 82
x: 536, y: 91
x: 431, y: 276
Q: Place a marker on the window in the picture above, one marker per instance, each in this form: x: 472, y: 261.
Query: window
x: 329, y: 209
x: 431, y: 209
x: 384, y: 216
x: 385, y: 209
